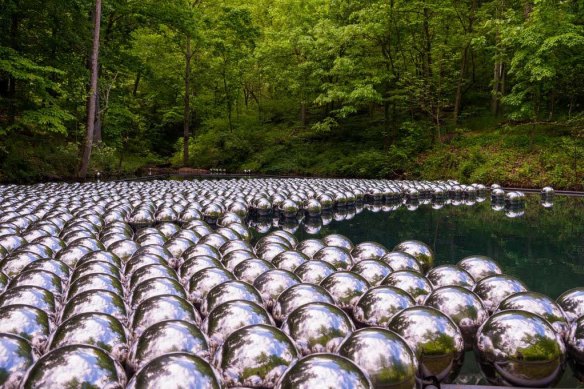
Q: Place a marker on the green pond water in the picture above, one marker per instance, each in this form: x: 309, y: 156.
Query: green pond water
x: 544, y: 247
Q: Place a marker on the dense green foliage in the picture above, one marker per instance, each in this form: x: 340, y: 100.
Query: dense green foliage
x: 479, y: 90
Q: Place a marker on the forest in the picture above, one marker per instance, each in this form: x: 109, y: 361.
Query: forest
x: 475, y: 90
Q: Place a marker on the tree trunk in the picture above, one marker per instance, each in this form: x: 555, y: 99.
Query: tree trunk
x: 497, y: 87
x: 91, y: 106
x: 97, y: 129
x: 187, y: 102
x: 458, y: 97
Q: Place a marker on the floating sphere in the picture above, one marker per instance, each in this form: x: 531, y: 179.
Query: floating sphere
x: 539, y: 304
x: 345, y: 288
x: 463, y: 307
x: 160, y: 308
x: 273, y: 282
x: 231, y: 316
x: 27, y: 322
x: 29, y: 295
x: 383, y: 355
x: 204, y: 280
x: 255, y: 356
x: 494, y: 289
x: 373, y: 270
x: 95, y: 281
x: 16, y: 356
x: 309, y: 247
x: 324, y: 371
x: 75, y: 366
x: 420, y: 251
x: 434, y: 338
x: 380, y: 304
x: 480, y: 267
x: 575, y: 342
x: 313, y: 272
x: 398, y: 260
x: 518, y: 348
x: 289, y: 260
x: 338, y: 240
x: 176, y: 371
x: 298, y: 295
x: 368, y: 250
x: 101, y: 301
x: 416, y: 285
x: 250, y: 269
x: 336, y: 256
x: 169, y: 336
x: 450, y: 275
x: 317, y: 327
x: 94, y: 329
x: 156, y: 287
x: 229, y: 291
x: 572, y: 302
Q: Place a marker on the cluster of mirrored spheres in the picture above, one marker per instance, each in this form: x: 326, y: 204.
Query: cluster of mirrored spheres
x: 162, y: 284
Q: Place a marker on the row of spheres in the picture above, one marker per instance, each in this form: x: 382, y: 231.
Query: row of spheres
x: 88, y: 300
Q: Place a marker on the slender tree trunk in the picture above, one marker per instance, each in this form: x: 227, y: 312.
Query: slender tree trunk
x: 187, y: 102
x: 91, y: 106
x: 458, y: 97
x: 97, y: 129
x: 497, y: 83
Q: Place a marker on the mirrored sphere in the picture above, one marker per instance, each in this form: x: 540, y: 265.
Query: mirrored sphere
x: 102, y: 301
x: 419, y: 250
x: 479, y: 267
x: 27, y: 322
x: 345, y: 288
x: 273, y: 282
x: 575, y: 343
x: 518, y: 348
x: 75, y: 366
x: 317, y: 327
x: 160, y: 308
x: 383, y: 355
x: 373, y: 270
x: 368, y: 250
x: 176, y: 371
x: 398, y: 260
x: 380, y: 304
x: 255, y: 356
x: 450, y: 275
x: 327, y: 371
x: 298, y: 295
x: 336, y: 256
x: 415, y: 284
x: 230, y: 291
x: 572, y: 302
x: 436, y: 340
x: 313, y: 272
x: 494, y: 289
x: 16, y: 356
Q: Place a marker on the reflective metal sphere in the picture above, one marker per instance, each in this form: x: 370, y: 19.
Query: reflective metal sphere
x: 479, y: 267
x: 94, y: 329
x: 176, y: 371
x: 380, y: 304
x: 317, y: 327
x: 450, y: 275
x: 336, y: 256
x: 27, y: 322
x: 368, y: 250
x: 255, y: 356
x: 539, y: 304
x: 16, y: 356
x: 398, y: 260
x: 518, y: 348
x: 324, y: 371
x: 373, y: 270
x: 419, y: 250
x: 160, y: 308
x: 309, y: 247
x: 463, y: 307
x: 169, y: 336
x: 337, y: 240
x: 383, y: 355
x: 298, y: 295
x: 436, y: 340
x: 101, y: 301
x: 289, y: 260
x: 231, y: 316
x: 273, y: 282
x: 345, y: 287
x: 572, y: 302
x: 29, y: 295
x: 575, y: 342
x: 416, y: 285
x: 156, y: 287
x: 250, y: 269
x: 229, y: 291
x: 75, y: 366
x: 204, y: 280
x: 313, y: 272
x: 234, y: 258
x: 494, y: 289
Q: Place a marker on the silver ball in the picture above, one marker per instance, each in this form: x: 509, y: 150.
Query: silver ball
x: 345, y: 287
x: 572, y: 302
x: 450, y: 275
x: 309, y: 247
x: 324, y: 371
x: 149, y: 272
x: 398, y: 260
x: 373, y: 270
x: 575, y: 341
x: 313, y: 272
x: 337, y: 240
x: 95, y: 281
x: 255, y: 356
x: 494, y: 289
x: 539, y: 304
x: 101, y: 301
x: 368, y: 250
x: 175, y: 371
x: 415, y: 284
x: 289, y: 260
x: 518, y: 348
x: 380, y: 304
x: 419, y: 250
x: 230, y: 291
x: 160, y: 308
x: 317, y: 327
x: 273, y: 282
x: 156, y: 287
x: 16, y: 356
x: 463, y: 307
x: 27, y: 322
x: 75, y: 366
x: 231, y: 316
x: 339, y: 257
x: 204, y: 280
x: 383, y: 355
x: 298, y: 295
x: 434, y: 338
x: 169, y: 336
x: 250, y: 269
x: 29, y: 295
x: 479, y: 267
